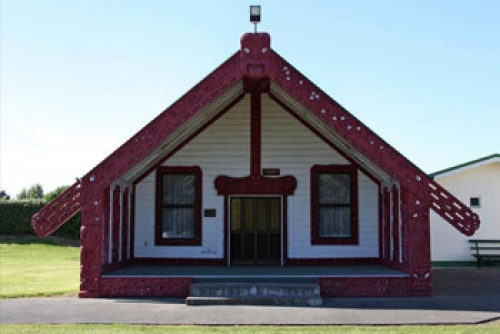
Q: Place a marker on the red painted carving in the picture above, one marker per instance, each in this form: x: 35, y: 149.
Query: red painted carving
x: 259, y: 185
x: 125, y: 224
x: 256, y: 135
x: 372, y: 146
x: 57, y: 212
x: 452, y: 210
x: 105, y: 228
x: 395, y: 224
x: 173, y: 287
x: 419, y: 257
x: 421, y: 281
x: 116, y: 225
x: 132, y: 223
x: 404, y: 226
x: 387, y: 221
x: 380, y: 224
x: 364, y: 286
x: 91, y: 242
x: 255, y: 56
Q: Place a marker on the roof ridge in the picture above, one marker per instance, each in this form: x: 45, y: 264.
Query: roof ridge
x: 464, y: 164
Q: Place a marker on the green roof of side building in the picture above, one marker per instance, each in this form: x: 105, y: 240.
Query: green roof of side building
x: 466, y: 164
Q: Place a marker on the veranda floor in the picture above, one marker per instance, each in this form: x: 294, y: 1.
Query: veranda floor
x: 369, y: 270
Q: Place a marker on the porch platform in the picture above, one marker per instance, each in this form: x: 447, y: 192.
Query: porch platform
x: 243, y: 272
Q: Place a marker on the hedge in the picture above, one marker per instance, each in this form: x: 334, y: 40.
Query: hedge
x: 15, y: 218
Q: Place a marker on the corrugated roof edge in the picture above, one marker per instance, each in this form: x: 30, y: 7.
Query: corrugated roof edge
x: 465, y: 164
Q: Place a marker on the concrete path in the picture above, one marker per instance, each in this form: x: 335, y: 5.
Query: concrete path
x: 461, y: 296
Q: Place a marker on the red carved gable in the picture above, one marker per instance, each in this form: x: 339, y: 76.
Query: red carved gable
x: 256, y: 64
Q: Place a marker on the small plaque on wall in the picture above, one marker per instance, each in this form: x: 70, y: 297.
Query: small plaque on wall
x: 209, y: 213
x: 271, y: 171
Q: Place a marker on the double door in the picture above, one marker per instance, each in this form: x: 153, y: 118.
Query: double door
x: 255, y: 230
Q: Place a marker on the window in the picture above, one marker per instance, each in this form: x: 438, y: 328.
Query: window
x: 334, y: 205
x: 178, y: 206
x: 475, y: 202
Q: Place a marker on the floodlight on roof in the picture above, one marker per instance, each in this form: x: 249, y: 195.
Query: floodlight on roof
x: 255, y: 14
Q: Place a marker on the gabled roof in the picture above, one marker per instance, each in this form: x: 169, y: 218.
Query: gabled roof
x: 255, y: 67
x: 467, y: 165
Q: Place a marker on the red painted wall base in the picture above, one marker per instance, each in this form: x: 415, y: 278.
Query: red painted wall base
x: 85, y: 294
x: 364, y: 286
x: 178, y: 287
x: 166, y: 287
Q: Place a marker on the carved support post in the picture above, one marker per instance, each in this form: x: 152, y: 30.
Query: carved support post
x: 387, y: 222
x: 91, y: 241
x: 116, y: 225
x: 395, y: 224
x: 125, y: 224
x: 419, y: 257
x: 404, y: 226
x: 105, y: 229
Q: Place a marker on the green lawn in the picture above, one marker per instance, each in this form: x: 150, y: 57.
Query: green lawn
x: 125, y: 329
x: 30, y: 266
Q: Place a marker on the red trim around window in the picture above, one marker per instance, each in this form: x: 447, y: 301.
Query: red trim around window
x: 196, y: 241
x: 343, y: 169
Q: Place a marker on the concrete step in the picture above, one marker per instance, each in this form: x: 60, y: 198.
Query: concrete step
x: 281, y: 301
x: 252, y: 293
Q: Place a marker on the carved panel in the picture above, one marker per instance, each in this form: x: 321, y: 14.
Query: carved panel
x: 125, y: 224
x: 452, y: 210
x: 58, y: 212
x: 116, y: 225
x: 364, y: 286
x: 174, y: 287
x: 255, y: 185
x: 91, y: 241
x: 395, y: 224
x: 255, y: 56
x: 419, y: 257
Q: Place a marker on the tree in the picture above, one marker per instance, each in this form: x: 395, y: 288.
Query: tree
x: 34, y: 192
x: 23, y: 194
x: 49, y: 197
x: 4, y: 195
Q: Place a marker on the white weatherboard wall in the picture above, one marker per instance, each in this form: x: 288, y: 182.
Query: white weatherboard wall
x: 447, y: 244
x: 224, y: 149
x: 290, y: 146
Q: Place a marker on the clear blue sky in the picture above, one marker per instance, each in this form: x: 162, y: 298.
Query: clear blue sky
x: 80, y: 77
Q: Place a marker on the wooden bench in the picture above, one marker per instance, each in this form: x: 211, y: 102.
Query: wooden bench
x: 485, y: 249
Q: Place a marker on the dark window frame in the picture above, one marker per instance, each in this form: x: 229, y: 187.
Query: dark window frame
x: 475, y: 202
x: 352, y: 171
x: 197, y: 239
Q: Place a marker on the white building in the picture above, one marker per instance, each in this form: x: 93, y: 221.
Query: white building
x: 476, y: 183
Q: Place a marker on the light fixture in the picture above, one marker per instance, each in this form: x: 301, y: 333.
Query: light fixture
x: 255, y: 16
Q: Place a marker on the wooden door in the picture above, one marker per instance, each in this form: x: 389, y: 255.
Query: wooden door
x: 255, y: 232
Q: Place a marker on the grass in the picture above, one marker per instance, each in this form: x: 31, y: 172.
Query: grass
x: 125, y: 329
x: 30, y: 266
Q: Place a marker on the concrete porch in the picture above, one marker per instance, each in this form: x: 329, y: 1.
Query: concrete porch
x: 256, y: 272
